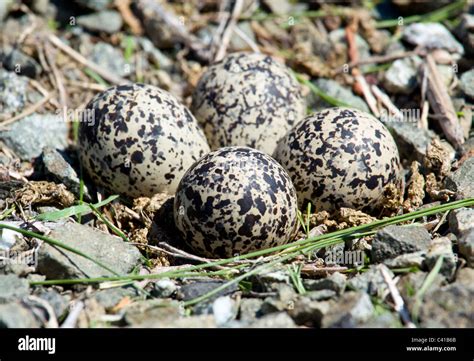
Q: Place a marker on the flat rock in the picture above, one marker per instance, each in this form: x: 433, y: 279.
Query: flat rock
x: 14, y: 315
x: 393, y: 241
x: 351, y: 309
x: 466, y: 247
x: 460, y: 181
x: 449, y: 306
x: 108, y: 21
x: 441, y: 246
x: 109, y: 298
x: 199, y: 288
x: 110, y: 58
x: 57, y: 166
x: 335, y: 90
x: 432, y: 36
x: 308, y: 312
x: 414, y: 259
x: 57, y: 263
x: 58, y: 302
x: 274, y: 320
x: 95, y: 4
x: 14, y: 93
x: 12, y: 288
x: 400, y: 78
x: 467, y: 83
x: 152, y: 313
x: 370, y: 281
x: 411, y: 140
x: 461, y: 220
x: 27, y: 142
x: 335, y: 282
x: 250, y: 309
x: 21, y: 63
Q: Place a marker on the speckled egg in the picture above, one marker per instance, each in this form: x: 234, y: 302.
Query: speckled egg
x: 247, y: 99
x: 233, y: 201
x: 339, y: 157
x: 139, y: 140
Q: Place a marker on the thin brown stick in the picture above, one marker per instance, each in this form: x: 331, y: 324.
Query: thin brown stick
x: 58, y: 80
x: 442, y: 105
x: 228, y: 30
x: 112, y: 78
x: 123, y: 6
x: 385, y: 100
x: 85, y: 85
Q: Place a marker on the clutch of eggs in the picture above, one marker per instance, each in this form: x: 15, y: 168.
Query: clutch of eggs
x: 140, y: 142
x: 247, y: 99
x: 340, y: 157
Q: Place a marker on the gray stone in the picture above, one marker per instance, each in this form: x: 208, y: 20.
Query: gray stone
x: 12, y: 288
x: 351, y: 309
x: 465, y: 277
x: 14, y: 315
x: 335, y: 282
x: 414, y: 259
x: 337, y: 91
x: 320, y: 295
x: 109, y: 298
x: 13, y: 92
x: 95, y: 4
x: 110, y: 58
x: 152, y: 313
x: 466, y: 247
x: 393, y: 241
x: 28, y: 136
x: 274, y: 320
x: 432, y: 36
x: 461, y: 220
x: 370, y: 281
x: 236, y: 42
x: 449, y: 306
x: 108, y: 21
x: 460, y: 181
x: 250, y: 309
x: 201, y: 321
x: 112, y: 251
x: 441, y: 246
x: 22, y: 64
x: 62, y: 171
x: 384, y: 320
x: 308, y: 312
x: 164, y: 288
x: 283, y: 301
x: 400, y: 78
x: 467, y: 83
x: 410, y: 283
x: 58, y: 302
x: 199, y: 288
x: 411, y: 140
x: 225, y: 310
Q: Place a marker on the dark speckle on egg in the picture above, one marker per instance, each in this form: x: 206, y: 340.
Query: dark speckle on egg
x: 339, y: 157
x: 141, y: 141
x: 251, y: 205
x: 247, y: 99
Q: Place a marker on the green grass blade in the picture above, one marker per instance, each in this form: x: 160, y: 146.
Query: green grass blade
x: 80, y: 209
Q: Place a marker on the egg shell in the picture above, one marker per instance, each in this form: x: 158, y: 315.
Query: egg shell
x: 140, y: 141
x: 339, y: 157
x: 247, y: 99
x: 233, y: 201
